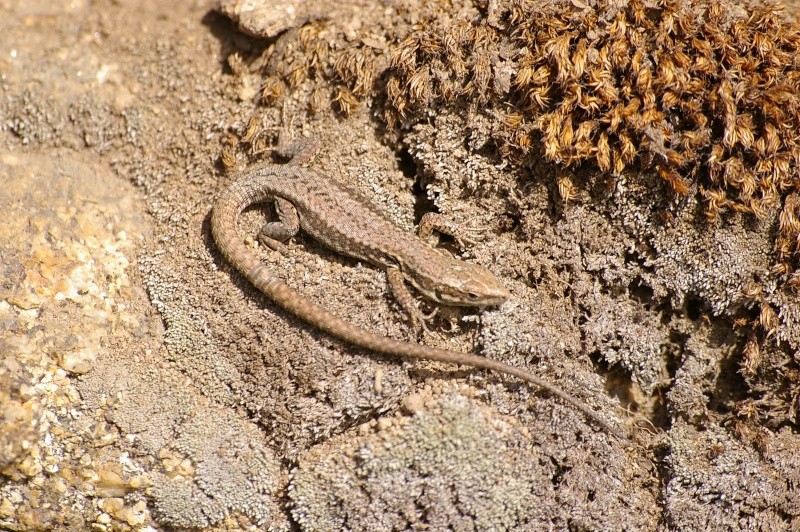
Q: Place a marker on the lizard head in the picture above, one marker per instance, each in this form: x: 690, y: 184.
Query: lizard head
x: 460, y: 284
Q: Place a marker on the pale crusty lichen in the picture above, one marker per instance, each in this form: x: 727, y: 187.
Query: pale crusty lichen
x: 715, y: 484
x: 682, y: 99
x: 451, y: 464
x: 204, y: 463
x: 185, y: 336
x: 226, y: 470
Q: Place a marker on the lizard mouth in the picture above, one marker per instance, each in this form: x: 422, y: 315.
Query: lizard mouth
x: 472, y: 299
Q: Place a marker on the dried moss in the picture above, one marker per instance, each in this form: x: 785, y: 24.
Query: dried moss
x: 704, y: 94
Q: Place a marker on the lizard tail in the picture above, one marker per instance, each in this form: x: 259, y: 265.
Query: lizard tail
x: 224, y: 221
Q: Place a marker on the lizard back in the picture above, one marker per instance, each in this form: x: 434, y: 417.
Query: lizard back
x: 339, y: 217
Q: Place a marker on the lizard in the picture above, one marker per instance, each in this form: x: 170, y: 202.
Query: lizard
x: 344, y: 221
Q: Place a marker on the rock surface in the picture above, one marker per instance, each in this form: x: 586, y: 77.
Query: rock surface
x: 144, y: 385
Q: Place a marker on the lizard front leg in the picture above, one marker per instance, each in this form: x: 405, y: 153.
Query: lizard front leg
x: 397, y: 284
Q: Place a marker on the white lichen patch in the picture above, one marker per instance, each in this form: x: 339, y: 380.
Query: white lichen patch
x: 451, y: 464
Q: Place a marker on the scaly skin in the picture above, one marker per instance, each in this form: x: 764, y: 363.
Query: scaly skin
x: 348, y: 224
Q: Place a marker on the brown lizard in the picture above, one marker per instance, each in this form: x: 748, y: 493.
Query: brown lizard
x: 345, y: 222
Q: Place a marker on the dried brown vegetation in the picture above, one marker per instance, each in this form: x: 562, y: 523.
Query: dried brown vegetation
x: 704, y: 94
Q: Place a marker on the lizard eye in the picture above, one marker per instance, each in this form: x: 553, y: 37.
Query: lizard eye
x: 472, y: 296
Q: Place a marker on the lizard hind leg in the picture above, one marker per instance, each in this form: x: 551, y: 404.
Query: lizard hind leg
x: 463, y: 235
x: 274, y: 234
